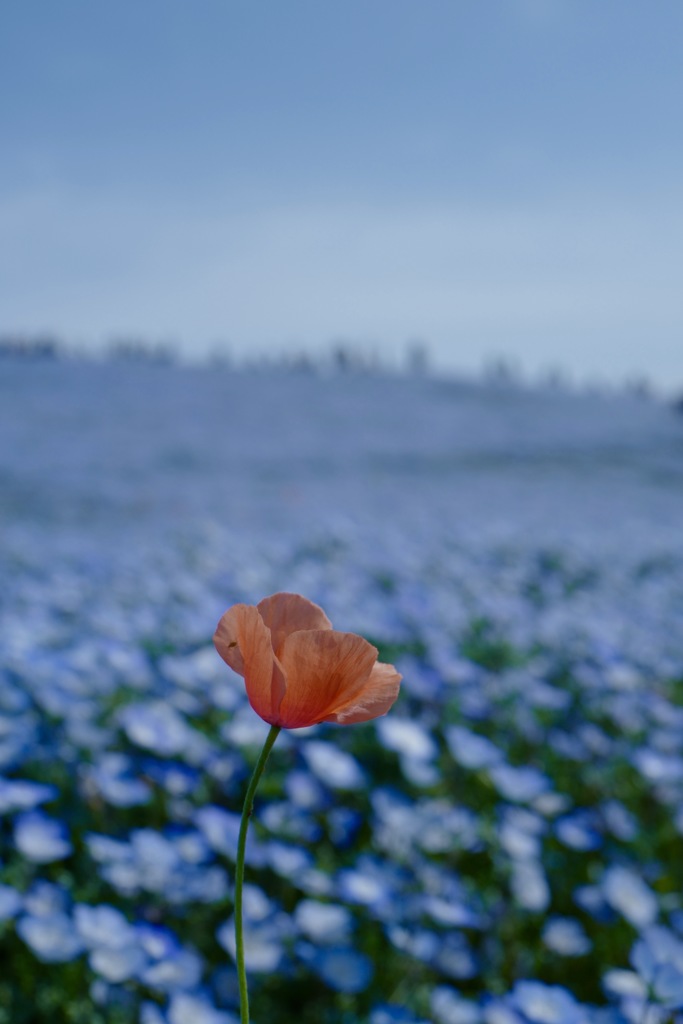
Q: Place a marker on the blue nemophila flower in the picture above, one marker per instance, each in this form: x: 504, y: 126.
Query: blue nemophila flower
x: 541, y: 694
x: 619, y: 820
x: 470, y: 749
x: 175, y: 969
x: 449, y: 912
x: 539, y: 1003
x: 220, y: 828
x: 657, y: 957
x: 157, y: 863
x: 104, y: 849
x: 191, y: 1008
x: 152, y: 864
x: 305, y: 791
x: 592, y: 899
x: 290, y: 822
x: 406, y: 737
x: 420, y: 680
x: 654, y: 988
x: 551, y: 804
x: 417, y: 942
x: 243, y: 730
x: 454, y: 958
x: 264, y: 949
x: 626, y: 892
x: 156, y: 726
x: 11, y: 902
x: 343, y: 825
x: 117, y: 964
x: 522, y: 784
x: 403, y: 826
x: 520, y: 833
x: 420, y: 772
x: 658, y: 766
x: 102, y: 925
x: 578, y: 831
x: 566, y: 937
x: 332, y: 765
x: 112, y: 780
x: 288, y: 861
x: 193, y: 672
x: 324, y: 923
x: 192, y: 846
x: 226, y: 767
x: 74, y: 623
x: 529, y: 885
x: 388, y: 1014
x: 373, y: 884
x: 625, y: 985
x: 17, y: 738
x: 445, y: 898
x: 45, y: 898
x: 112, y: 942
x: 342, y: 968
x: 154, y: 852
x: 637, y: 1004
x: 450, y: 954
x: 181, y: 780
x: 23, y: 795
x: 448, y: 1007
x: 13, y: 699
x: 158, y: 942
x: 568, y: 745
x: 150, y: 1013
x: 266, y: 930
x: 41, y: 839
x: 52, y: 937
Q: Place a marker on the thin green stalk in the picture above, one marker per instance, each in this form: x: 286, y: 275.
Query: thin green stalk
x: 239, y: 870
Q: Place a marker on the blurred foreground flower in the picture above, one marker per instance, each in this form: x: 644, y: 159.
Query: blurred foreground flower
x: 298, y: 672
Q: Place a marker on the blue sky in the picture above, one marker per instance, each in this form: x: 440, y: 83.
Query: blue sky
x: 495, y: 177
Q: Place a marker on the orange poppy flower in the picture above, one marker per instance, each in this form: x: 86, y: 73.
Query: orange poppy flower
x: 298, y: 670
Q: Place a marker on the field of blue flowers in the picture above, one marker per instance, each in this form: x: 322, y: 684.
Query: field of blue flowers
x: 505, y: 847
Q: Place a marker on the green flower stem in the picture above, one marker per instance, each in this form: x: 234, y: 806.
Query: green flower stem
x: 239, y: 870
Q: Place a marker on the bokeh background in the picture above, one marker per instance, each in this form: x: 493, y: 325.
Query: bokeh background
x: 378, y: 303
x: 494, y: 180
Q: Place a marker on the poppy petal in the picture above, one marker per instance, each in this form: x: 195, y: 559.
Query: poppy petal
x: 324, y: 669
x: 243, y: 640
x: 374, y: 698
x: 226, y: 638
x: 288, y: 613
